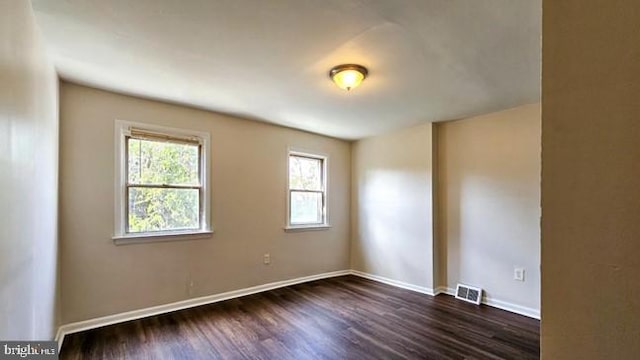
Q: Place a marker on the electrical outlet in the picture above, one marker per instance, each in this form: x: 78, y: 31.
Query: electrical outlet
x: 518, y: 274
x: 267, y: 259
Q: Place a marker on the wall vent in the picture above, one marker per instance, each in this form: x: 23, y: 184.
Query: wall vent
x: 469, y: 294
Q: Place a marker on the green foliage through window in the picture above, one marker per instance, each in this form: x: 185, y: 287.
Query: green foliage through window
x: 306, y: 190
x: 163, y: 185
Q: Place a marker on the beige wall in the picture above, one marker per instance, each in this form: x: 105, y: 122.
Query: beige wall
x: 28, y: 179
x: 489, y: 204
x: 391, y: 213
x: 248, y: 210
x: 590, y: 180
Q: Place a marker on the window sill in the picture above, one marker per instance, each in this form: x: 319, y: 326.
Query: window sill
x: 161, y: 237
x: 297, y: 228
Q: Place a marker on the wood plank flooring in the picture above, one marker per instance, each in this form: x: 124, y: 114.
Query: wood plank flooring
x: 345, y: 317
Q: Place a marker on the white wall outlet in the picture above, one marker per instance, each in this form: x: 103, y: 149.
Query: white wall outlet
x: 267, y: 259
x: 518, y: 274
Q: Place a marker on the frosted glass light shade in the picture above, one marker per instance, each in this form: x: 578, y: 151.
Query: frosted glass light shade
x: 348, y: 76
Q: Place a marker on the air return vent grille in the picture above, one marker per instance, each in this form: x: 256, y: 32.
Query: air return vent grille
x: 469, y: 294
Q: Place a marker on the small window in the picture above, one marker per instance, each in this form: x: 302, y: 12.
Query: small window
x: 307, y: 198
x: 161, y: 181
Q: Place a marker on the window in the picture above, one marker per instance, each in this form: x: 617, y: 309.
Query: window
x: 307, y: 192
x: 161, y: 181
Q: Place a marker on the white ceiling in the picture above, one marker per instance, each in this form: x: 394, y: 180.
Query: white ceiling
x: 269, y: 60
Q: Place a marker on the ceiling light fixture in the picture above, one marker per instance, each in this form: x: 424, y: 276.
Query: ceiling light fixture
x: 348, y: 76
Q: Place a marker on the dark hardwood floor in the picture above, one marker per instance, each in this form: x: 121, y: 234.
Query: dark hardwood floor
x: 339, y: 318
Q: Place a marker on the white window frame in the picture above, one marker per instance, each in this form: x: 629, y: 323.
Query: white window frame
x: 120, y: 235
x: 325, y: 184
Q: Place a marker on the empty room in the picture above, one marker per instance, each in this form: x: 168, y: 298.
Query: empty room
x: 298, y: 179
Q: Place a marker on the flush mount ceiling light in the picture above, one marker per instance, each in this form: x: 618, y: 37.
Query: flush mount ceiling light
x: 348, y: 76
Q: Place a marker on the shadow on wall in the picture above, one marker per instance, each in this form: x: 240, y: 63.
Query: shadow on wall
x: 489, y: 203
x: 388, y: 225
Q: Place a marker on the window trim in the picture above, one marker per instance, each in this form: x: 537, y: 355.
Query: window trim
x: 122, y: 132
x: 289, y: 227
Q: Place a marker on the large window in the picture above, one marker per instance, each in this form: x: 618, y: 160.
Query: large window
x: 307, y: 197
x: 161, y: 181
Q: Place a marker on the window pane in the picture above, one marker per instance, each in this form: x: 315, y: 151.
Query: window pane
x: 154, y: 209
x: 306, y: 208
x: 156, y: 162
x: 305, y: 173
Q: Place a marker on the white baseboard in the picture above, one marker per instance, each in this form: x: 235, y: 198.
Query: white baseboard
x: 183, y: 304
x: 443, y: 290
x: 496, y: 303
x: 59, y: 338
x: 522, y: 310
x: 209, y: 299
x: 396, y: 283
